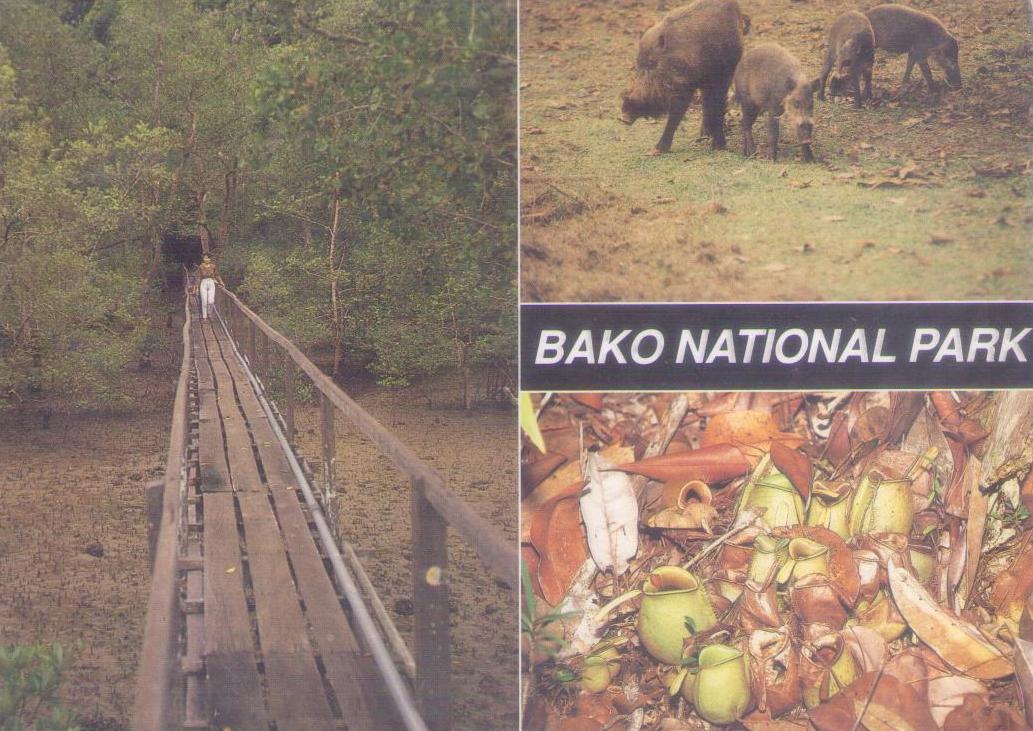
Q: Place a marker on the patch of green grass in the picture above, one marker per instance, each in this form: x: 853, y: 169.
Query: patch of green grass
x: 934, y: 228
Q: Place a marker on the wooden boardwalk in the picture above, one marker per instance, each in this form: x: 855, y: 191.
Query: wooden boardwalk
x: 271, y: 641
x: 249, y: 625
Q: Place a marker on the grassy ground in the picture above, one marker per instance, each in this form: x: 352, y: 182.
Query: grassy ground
x: 915, y: 197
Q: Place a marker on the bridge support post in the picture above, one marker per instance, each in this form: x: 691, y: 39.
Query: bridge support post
x: 265, y: 358
x: 251, y: 343
x: 326, y: 409
x: 431, y: 633
x: 288, y: 385
x: 155, y: 499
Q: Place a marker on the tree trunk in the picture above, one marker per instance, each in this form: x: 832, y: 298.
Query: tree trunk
x: 335, y: 299
x: 229, y: 195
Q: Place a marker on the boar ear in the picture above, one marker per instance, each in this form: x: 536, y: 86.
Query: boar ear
x: 815, y: 84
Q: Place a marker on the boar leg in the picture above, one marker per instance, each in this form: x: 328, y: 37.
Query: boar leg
x: 715, y: 102
x: 749, y: 116
x: 674, y: 118
x: 910, y: 67
x: 773, y: 136
x: 928, y: 74
x: 855, y: 83
x: 825, y: 71
x: 868, y: 82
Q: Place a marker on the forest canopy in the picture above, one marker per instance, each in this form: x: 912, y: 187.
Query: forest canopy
x: 350, y: 164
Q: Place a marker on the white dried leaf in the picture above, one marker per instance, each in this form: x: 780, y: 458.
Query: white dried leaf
x: 609, y: 511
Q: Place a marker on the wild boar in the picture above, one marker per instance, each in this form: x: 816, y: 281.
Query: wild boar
x: 692, y: 48
x: 770, y: 79
x: 900, y: 29
x: 851, y: 52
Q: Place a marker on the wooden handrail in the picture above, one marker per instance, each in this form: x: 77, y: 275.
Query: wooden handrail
x: 154, y: 707
x: 498, y: 555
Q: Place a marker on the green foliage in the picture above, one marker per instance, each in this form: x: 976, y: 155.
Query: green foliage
x: 30, y: 676
x: 539, y: 637
x: 351, y: 164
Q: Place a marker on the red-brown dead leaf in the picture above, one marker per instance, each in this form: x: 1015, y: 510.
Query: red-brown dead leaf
x: 532, y: 560
x: 561, y: 547
x: 564, y: 482
x: 719, y: 404
x: 740, y: 427
x: 712, y: 465
x: 795, y: 465
x: 882, y: 702
x: 532, y: 473
x: 842, y: 568
x: 1011, y: 590
x: 597, y: 706
x: 956, y: 424
x: 975, y: 713
x: 758, y: 721
x: 591, y: 400
x: 577, y: 723
x: 838, y: 447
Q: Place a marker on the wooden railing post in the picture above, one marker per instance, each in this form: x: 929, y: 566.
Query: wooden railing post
x: 431, y: 633
x: 326, y: 410
x: 288, y: 385
x: 265, y: 357
x: 251, y: 343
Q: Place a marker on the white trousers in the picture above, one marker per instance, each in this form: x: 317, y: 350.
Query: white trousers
x: 207, y: 290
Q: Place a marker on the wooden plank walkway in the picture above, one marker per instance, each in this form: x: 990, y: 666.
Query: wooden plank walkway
x: 278, y: 650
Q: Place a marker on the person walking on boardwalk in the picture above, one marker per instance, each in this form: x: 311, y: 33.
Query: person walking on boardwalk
x: 208, y: 274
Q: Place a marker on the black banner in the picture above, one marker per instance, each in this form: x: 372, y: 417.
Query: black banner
x: 773, y: 346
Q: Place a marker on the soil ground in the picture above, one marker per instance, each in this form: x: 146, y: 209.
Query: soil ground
x: 82, y: 480
x: 918, y: 196
x: 61, y: 489
x: 476, y: 454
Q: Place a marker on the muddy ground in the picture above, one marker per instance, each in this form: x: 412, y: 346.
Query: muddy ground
x: 82, y: 481
x: 915, y: 197
x: 476, y: 453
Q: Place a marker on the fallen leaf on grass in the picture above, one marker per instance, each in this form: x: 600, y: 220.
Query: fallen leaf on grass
x: 938, y: 239
x: 957, y: 642
x: 609, y: 509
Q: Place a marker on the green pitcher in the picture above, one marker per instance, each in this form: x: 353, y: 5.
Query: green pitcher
x: 720, y: 690
x: 772, y: 495
x: 830, y: 507
x: 769, y: 556
x: 804, y: 557
x: 674, y: 606
x: 601, y: 665
x: 881, y: 504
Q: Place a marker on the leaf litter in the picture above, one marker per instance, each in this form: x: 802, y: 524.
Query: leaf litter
x: 826, y: 560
